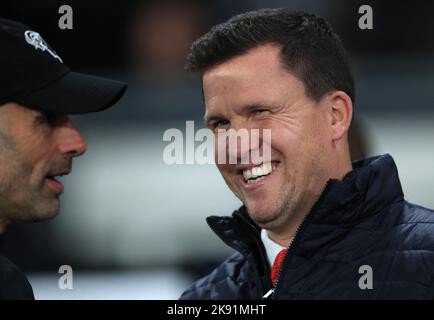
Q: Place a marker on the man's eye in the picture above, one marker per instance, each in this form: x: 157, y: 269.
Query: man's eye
x: 220, y: 123
x: 259, y: 111
x: 45, y: 117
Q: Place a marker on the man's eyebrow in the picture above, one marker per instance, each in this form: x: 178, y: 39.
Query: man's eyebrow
x: 208, y: 117
x: 248, y: 108
x: 256, y: 106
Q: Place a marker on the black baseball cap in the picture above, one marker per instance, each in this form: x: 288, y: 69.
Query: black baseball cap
x: 33, y: 74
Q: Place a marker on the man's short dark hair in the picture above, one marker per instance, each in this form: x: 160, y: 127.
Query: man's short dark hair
x: 311, y: 51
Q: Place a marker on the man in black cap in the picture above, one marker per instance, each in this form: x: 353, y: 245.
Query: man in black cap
x: 37, y: 139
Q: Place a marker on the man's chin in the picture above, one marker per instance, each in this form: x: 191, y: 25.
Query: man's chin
x: 46, y: 210
x: 264, y: 217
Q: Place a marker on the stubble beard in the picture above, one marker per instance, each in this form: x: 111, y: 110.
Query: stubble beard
x: 21, y: 199
x: 281, y: 216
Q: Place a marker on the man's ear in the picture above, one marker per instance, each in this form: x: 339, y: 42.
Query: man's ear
x: 340, y: 113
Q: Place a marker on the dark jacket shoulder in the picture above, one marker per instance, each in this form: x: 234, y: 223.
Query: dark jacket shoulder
x: 236, y: 278
x: 13, y: 283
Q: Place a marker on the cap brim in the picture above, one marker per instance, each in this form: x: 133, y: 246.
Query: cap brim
x: 75, y: 93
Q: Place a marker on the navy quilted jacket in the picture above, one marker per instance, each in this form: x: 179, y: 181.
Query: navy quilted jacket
x: 360, y: 222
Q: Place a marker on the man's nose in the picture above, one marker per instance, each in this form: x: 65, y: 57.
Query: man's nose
x: 72, y: 143
x: 241, y: 141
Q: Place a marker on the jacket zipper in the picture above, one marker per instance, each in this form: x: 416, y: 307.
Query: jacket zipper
x: 272, y: 292
x: 259, y: 245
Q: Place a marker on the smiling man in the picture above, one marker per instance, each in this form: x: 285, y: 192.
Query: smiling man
x: 37, y: 139
x: 311, y: 219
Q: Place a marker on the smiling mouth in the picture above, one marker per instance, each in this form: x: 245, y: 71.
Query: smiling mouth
x: 258, y: 173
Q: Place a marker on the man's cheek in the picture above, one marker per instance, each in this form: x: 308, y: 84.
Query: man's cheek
x: 229, y: 176
x: 220, y: 149
x: 224, y: 170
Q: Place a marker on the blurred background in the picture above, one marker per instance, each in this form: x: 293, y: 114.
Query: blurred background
x: 132, y: 227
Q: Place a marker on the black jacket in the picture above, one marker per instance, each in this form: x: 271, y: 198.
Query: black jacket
x: 361, y: 220
x: 13, y: 283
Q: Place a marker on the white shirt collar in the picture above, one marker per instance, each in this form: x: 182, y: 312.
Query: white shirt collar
x: 271, y: 248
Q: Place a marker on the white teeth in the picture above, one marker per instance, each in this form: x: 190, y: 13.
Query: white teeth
x: 258, y: 173
x: 247, y: 174
x: 255, y: 180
